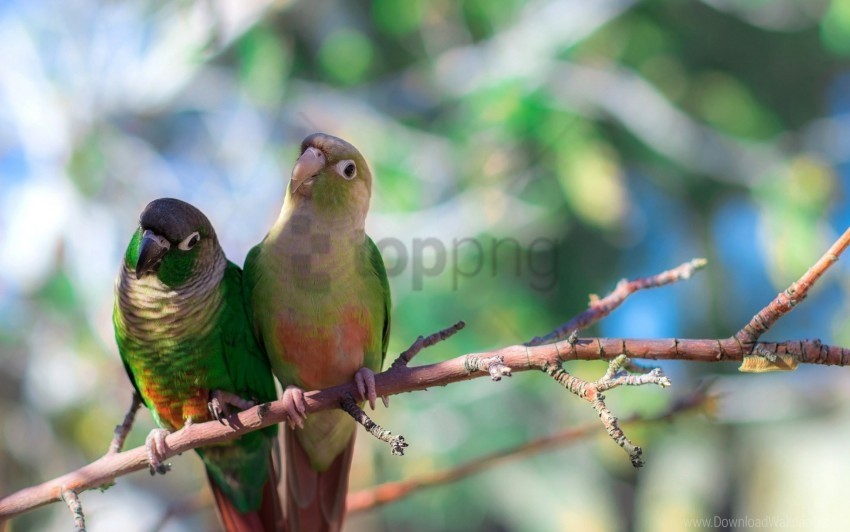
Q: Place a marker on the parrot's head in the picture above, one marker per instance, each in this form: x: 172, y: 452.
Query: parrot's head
x: 332, y: 175
x: 174, y: 241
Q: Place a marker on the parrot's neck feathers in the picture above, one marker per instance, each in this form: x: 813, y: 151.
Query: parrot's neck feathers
x: 155, y: 311
x: 313, y: 247
x: 301, y: 223
x: 339, y: 217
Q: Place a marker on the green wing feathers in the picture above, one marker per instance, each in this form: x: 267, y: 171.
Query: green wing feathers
x: 171, y: 370
x: 248, y: 365
x: 242, y: 466
x: 249, y: 281
x: 377, y: 265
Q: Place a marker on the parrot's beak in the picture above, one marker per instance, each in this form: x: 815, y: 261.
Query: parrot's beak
x: 308, y: 165
x: 151, y: 251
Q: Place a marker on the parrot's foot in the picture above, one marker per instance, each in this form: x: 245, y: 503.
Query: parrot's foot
x: 156, y: 448
x: 365, y: 381
x: 221, y: 401
x: 295, y: 405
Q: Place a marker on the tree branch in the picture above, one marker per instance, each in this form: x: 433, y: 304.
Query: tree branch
x: 466, y: 367
x: 390, y: 492
x: 519, y: 358
x: 599, y: 308
x: 758, y: 360
x: 592, y: 393
x: 422, y: 342
x: 397, y: 443
x: 786, y: 301
x: 122, y: 430
x: 73, y: 502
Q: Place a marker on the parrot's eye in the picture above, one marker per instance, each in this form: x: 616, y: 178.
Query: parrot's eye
x: 347, y: 169
x: 189, y: 242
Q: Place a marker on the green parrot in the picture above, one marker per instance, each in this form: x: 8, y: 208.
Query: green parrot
x: 318, y: 291
x: 187, y: 344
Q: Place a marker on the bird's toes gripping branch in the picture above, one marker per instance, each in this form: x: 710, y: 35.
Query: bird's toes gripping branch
x: 397, y: 443
x: 295, y: 406
x: 157, y: 449
x: 221, y: 401
x: 618, y: 374
x: 365, y: 381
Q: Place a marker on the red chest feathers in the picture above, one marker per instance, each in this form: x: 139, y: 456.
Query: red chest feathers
x: 324, y: 354
x: 174, y: 408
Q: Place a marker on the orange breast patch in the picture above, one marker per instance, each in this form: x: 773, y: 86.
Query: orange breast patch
x: 324, y: 355
x: 174, y: 408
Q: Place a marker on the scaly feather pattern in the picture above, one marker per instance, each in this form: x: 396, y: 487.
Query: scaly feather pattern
x: 183, y: 333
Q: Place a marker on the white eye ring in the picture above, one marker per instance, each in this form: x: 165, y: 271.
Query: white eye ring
x: 189, y: 242
x: 347, y: 169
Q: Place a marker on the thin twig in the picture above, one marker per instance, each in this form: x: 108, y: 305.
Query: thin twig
x: 599, y: 308
x: 592, y: 393
x: 73, y: 502
x: 425, y: 341
x: 397, y: 443
x: 786, y: 300
x: 122, y: 430
x: 393, y: 491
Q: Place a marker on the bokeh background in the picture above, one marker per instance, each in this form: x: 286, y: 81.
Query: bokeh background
x: 600, y: 140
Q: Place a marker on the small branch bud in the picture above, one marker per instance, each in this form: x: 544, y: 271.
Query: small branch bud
x: 494, y: 365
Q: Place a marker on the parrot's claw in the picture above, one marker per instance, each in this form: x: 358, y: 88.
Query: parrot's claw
x: 295, y: 406
x: 221, y: 401
x: 365, y: 381
x: 218, y: 410
x: 156, y: 448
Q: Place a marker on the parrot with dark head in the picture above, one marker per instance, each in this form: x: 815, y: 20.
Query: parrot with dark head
x: 187, y: 344
x: 320, y: 299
